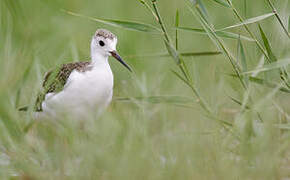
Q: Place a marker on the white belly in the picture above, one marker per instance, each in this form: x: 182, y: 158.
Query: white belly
x: 84, y: 93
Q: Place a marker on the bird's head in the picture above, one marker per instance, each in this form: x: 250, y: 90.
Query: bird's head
x: 104, y: 44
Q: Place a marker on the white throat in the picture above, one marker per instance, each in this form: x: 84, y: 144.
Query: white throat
x: 99, y: 59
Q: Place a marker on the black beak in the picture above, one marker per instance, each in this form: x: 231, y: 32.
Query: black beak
x: 118, y: 57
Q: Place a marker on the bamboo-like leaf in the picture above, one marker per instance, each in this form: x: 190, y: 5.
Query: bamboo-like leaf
x: 283, y: 126
x: 203, y: 9
x: 267, y: 45
x: 184, y: 54
x: 238, y: 102
x: 223, y: 3
x: 218, y: 33
x: 250, y: 21
x: 278, y: 18
x: 265, y: 83
x: 218, y: 42
x: 288, y: 24
x: 242, y: 56
x: 180, y: 77
x: 130, y: 25
x: 272, y: 58
x: 176, y: 31
x: 172, y: 52
x: 160, y: 99
x: 275, y: 65
x: 209, y: 53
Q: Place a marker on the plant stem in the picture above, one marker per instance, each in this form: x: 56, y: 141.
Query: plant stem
x: 149, y: 8
x: 249, y: 31
x: 283, y: 72
x: 181, y: 64
x: 278, y: 17
x: 160, y: 21
x: 220, y: 44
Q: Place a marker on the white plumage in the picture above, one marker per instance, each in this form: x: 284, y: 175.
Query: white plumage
x: 86, y: 92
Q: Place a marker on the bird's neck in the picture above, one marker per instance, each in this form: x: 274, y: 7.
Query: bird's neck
x: 99, y: 59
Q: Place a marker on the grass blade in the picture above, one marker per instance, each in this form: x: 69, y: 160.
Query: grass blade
x: 267, y: 45
x: 238, y: 102
x: 265, y: 83
x: 130, y: 25
x: 159, y: 99
x: 288, y: 23
x: 184, y: 54
x: 224, y: 34
x: 272, y: 57
x: 278, y: 18
x: 242, y: 56
x: 194, y: 54
x: 275, y: 65
x: 203, y: 9
x: 223, y: 3
x: 172, y: 52
x: 176, y: 30
x: 180, y: 77
x: 249, y: 21
x: 216, y: 40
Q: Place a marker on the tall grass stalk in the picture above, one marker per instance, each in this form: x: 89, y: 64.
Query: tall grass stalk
x: 278, y: 18
x: 283, y: 73
x: 180, y: 63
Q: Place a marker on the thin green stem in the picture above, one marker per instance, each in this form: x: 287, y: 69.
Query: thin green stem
x: 181, y: 64
x: 221, y: 45
x: 176, y: 30
x: 248, y: 30
x: 278, y: 17
x: 283, y: 73
x: 160, y: 21
x: 149, y: 8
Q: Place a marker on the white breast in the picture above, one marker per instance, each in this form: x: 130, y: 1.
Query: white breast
x: 84, y: 93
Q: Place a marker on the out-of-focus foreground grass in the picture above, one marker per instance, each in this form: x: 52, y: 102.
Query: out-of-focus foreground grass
x: 212, y: 122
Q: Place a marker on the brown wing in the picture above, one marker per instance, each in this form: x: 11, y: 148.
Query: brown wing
x: 55, y: 80
x: 63, y: 74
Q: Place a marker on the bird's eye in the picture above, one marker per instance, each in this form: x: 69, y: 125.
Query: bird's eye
x: 101, y: 43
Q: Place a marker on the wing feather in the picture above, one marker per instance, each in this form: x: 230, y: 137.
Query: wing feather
x: 55, y: 80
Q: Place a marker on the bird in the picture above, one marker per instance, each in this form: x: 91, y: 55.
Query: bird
x: 81, y: 88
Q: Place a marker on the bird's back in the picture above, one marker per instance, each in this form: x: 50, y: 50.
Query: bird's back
x: 86, y: 88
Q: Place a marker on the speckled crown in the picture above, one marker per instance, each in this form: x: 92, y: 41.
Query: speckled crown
x: 105, y: 34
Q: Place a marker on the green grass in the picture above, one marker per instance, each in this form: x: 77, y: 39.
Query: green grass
x: 209, y: 98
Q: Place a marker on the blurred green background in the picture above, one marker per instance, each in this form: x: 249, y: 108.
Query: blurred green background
x: 160, y: 131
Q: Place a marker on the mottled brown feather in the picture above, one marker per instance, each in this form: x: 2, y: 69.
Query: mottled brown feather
x: 56, y: 84
x: 65, y: 72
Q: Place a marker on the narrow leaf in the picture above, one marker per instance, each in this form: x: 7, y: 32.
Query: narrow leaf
x: 176, y: 30
x: 275, y: 65
x: 288, y: 24
x: 185, y: 54
x: 223, y: 3
x: 203, y: 9
x: 265, y: 83
x: 250, y: 21
x: 283, y: 126
x: 238, y: 102
x: 217, y: 41
x: 242, y: 56
x: 181, y: 78
x: 130, y: 25
x: 159, y: 99
x: 209, y: 53
x: 267, y: 45
x: 172, y: 52
x: 224, y: 34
